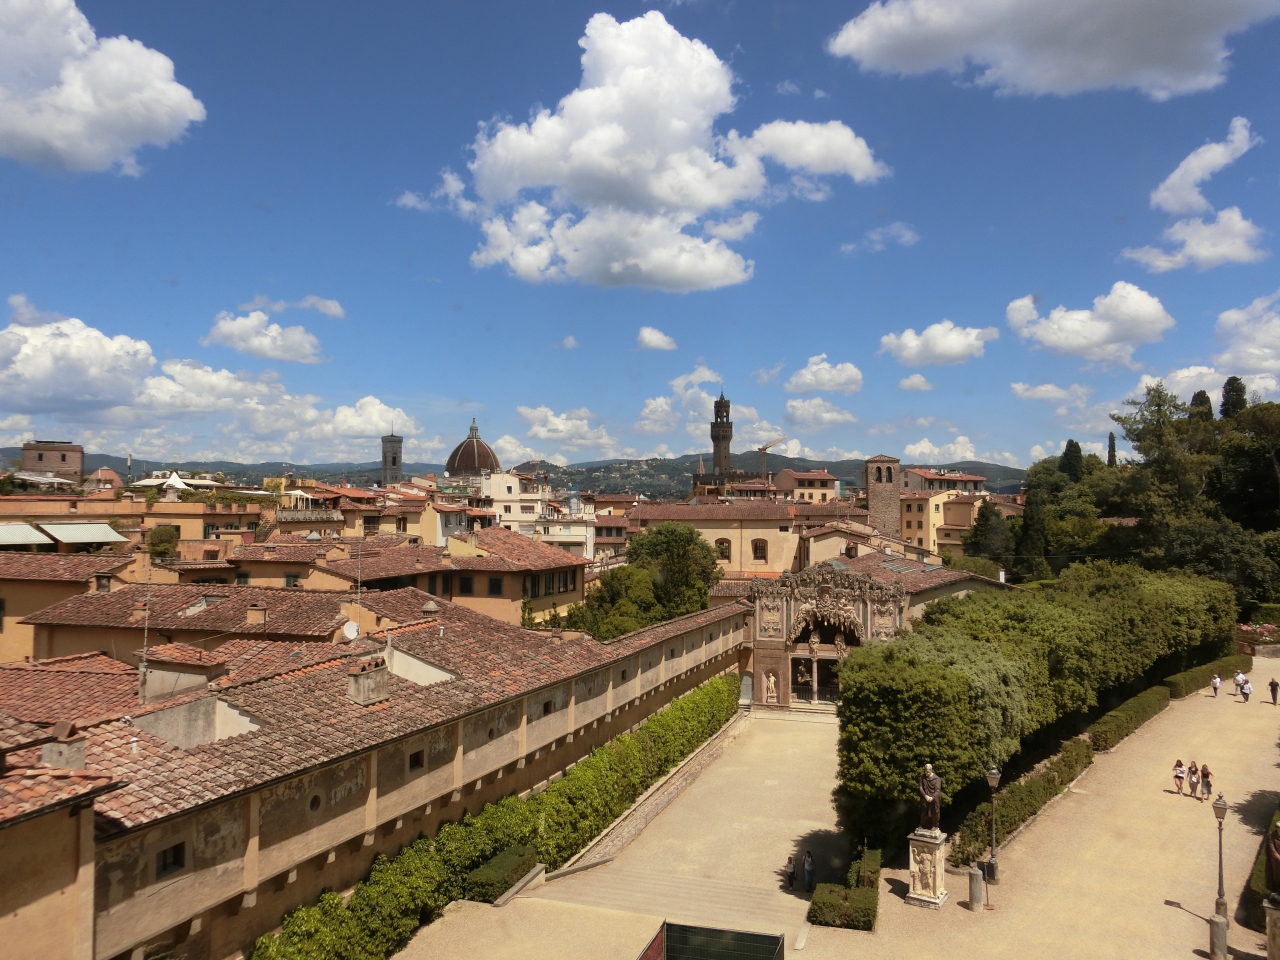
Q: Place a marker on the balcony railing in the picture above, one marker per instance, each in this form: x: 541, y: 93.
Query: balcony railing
x: 802, y: 691
x: 829, y: 694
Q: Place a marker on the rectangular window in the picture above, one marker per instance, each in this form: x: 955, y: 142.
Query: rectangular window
x: 546, y: 708
x: 211, y: 554
x: 102, y: 584
x: 506, y: 508
x: 526, y: 508
x: 40, y: 457
x: 171, y: 859
x: 242, y: 579
x: 291, y: 579
x: 573, y: 579
x: 563, y: 585
x: 417, y: 759
x: 466, y: 585
x: 431, y: 583
x: 64, y: 458
x: 446, y: 584
x: 937, y: 507
x: 1, y: 614
x: 782, y: 529
x: 919, y: 542
x: 549, y: 583
x: 495, y: 586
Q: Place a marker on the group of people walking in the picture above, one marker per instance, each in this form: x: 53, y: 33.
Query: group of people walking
x: 790, y: 869
x: 1198, y: 780
x: 1244, y: 689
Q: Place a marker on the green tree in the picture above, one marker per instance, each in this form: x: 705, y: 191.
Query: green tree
x: 620, y: 602
x: 1234, y: 398
x: 1261, y: 423
x: 682, y: 564
x: 1111, y: 449
x: 1033, y: 539
x: 1201, y: 406
x: 1177, y: 455
x: 1072, y: 461
x: 162, y: 541
x: 989, y: 536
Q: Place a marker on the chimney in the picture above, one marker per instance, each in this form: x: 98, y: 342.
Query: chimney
x: 269, y: 550
x: 139, y: 611
x: 367, y: 681
x: 473, y: 538
x: 556, y: 635
x: 68, y: 750
x: 430, y: 610
x: 256, y: 615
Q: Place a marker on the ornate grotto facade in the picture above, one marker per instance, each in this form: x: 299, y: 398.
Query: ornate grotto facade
x: 805, y: 622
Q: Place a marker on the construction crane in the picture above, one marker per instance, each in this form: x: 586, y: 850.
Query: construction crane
x: 764, y: 474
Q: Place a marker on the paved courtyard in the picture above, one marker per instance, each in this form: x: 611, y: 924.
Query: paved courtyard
x: 1088, y: 879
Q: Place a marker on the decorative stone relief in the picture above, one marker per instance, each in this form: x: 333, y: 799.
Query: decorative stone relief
x: 823, y: 594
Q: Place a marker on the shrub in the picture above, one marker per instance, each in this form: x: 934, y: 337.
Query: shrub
x: 475, y: 855
x: 1111, y: 728
x: 487, y: 882
x: 1197, y: 678
x: 1019, y: 802
x: 865, y: 871
x: 1255, y: 915
x: 835, y: 906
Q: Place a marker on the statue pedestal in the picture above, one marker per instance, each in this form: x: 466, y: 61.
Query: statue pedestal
x: 927, y: 858
x: 1273, y: 930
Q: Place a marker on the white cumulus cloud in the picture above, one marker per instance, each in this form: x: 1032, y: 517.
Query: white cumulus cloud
x: 961, y: 448
x: 255, y: 334
x: 1162, y: 48
x: 571, y: 429
x: 817, y: 414
x: 820, y: 375
x: 611, y: 186
x: 917, y: 382
x: 651, y: 338
x: 330, y: 308
x: 1180, y: 191
x: 1118, y: 323
x: 569, y: 343
x: 1067, y: 399
x: 938, y: 344
x: 71, y: 99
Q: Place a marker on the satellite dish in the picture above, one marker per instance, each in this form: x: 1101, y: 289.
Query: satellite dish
x: 350, y: 630
x: 446, y: 473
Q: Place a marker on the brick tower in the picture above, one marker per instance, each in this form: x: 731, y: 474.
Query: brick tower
x: 392, y: 459
x: 721, y: 437
x: 884, y: 489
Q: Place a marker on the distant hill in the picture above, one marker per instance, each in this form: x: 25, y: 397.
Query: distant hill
x: 654, y: 478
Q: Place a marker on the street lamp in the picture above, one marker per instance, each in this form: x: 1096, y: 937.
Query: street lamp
x: 993, y: 781
x: 1218, y: 922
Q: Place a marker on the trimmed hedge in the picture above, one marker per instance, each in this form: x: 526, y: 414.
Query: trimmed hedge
x: 487, y: 882
x: 1197, y: 678
x: 1111, y: 728
x: 865, y: 872
x: 403, y: 893
x: 1019, y: 802
x: 833, y: 905
x: 1255, y: 915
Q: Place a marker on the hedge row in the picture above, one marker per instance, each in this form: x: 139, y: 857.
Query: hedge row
x: 1111, y: 728
x: 1197, y: 678
x: 1255, y: 915
x: 412, y: 888
x: 487, y: 882
x: 855, y: 906
x: 1019, y: 802
x: 979, y: 674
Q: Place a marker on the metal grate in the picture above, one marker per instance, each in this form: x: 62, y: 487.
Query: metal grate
x: 899, y: 566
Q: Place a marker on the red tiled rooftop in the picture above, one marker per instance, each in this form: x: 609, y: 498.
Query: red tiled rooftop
x: 71, y: 567
x: 183, y: 654
x: 25, y: 793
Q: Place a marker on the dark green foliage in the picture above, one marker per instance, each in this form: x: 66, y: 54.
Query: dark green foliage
x: 989, y: 536
x: 1266, y: 613
x: 1018, y: 802
x: 1071, y: 462
x: 622, y: 601
x: 487, y: 882
x: 683, y: 565
x: 1111, y: 449
x: 1255, y: 914
x: 1201, y: 407
x: 1111, y: 728
x: 979, y: 674
x: 1032, y: 539
x: 413, y: 888
x: 162, y: 541
x: 1234, y: 398
x: 1189, y: 681
x: 833, y: 905
x: 979, y: 565
x: 865, y: 871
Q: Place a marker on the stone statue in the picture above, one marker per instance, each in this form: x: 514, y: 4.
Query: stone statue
x: 802, y: 673
x: 813, y: 644
x: 1273, y: 863
x: 771, y: 688
x: 930, y: 799
x: 923, y: 864
x: 840, y: 647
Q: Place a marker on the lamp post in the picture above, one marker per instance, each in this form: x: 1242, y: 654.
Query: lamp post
x: 1218, y: 922
x: 993, y: 781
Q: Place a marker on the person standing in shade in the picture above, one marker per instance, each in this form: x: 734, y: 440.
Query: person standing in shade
x: 1275, y: 690
x: 790, y: 868
x: 808, y: 870
x: 1193, y: 779
x: 1216, y: 682
x: 1206, y: 784
x: 1246, y: 689
x: 1179, y: 775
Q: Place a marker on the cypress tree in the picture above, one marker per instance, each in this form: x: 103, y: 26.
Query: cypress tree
x: 989, y: 536
x: 1111, y: 449
x: 1072, y: 461
x: 1033, y: 541
x: 1234, y: 398
x: 1201, y: 407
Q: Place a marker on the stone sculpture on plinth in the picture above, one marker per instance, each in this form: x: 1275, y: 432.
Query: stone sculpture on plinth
x: 928, y: 846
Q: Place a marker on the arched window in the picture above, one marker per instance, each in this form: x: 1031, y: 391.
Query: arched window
x: 879, y: 475
x: 759, y: 549
x: 724, y: 549
x: 888, y: 474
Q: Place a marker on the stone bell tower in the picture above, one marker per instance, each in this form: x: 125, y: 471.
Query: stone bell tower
x: 392, y: 459
x: 721, y: 437
x: 884, y: 492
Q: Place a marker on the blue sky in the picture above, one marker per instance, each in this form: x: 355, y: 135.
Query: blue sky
x: 270, y: 231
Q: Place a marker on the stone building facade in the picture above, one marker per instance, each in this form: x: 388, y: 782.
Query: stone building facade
x: 884, y: 485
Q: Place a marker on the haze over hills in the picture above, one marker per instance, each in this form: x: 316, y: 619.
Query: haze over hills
x: 653, y: 478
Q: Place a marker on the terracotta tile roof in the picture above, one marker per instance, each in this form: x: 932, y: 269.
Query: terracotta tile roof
x: 524, y: 552
x: 304, y: 552
x: 934, y: 475
x: 882, y: 458
x: 968, y: 498
x: 16, y: 734
x: 26, y: 793
x: 184, y: 654
x: 731, y: 588
x: 914, y: 575
x: 687, y: 513
x: 216, y: 608
x: 396, y: 562
x: 346, y: 504
x: 72, y: 567
x: 401, y: 606
x: 79, y: 689
x: 808, y: 474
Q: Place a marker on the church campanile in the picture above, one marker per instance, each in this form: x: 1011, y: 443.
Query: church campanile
x: 721, y: 437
